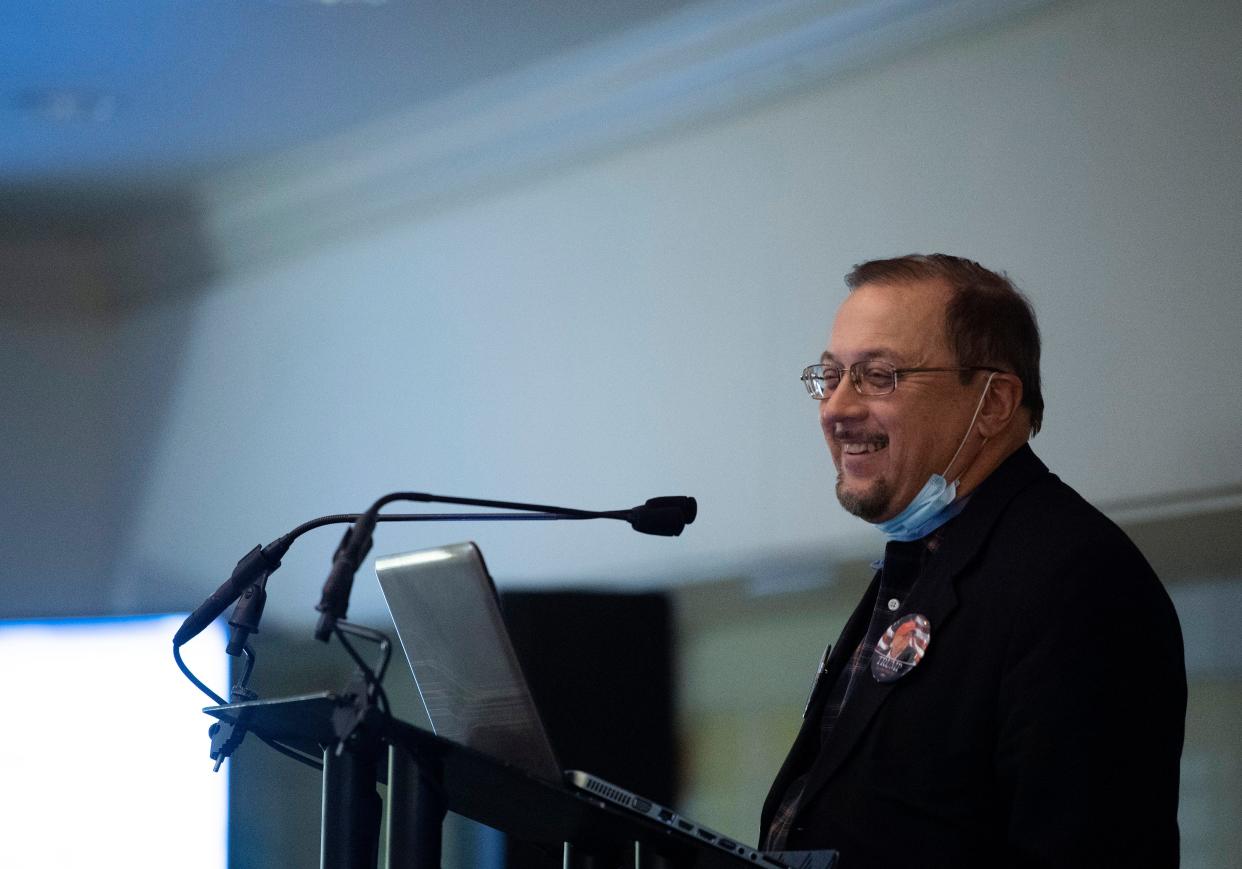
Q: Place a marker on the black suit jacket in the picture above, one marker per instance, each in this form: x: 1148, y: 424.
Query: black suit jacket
x: 1044, y: 725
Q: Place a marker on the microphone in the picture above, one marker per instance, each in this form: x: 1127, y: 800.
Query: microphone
x: 667, y: 516
x: 353, y: 548
x: 256, y: 562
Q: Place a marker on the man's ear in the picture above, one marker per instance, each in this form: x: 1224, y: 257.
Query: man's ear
x: 1003, y: 401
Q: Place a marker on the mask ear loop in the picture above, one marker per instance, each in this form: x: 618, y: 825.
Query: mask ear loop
x: 969, y: 429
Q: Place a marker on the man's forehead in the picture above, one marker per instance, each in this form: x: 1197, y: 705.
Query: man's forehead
x: 898, y: 322
x: 886, y: 353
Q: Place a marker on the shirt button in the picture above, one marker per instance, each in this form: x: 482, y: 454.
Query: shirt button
x: 893, y: 603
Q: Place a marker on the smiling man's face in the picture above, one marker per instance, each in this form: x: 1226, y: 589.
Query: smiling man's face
x: 886, y: 446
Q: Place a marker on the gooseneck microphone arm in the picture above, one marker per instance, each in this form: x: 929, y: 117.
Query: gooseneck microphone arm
x: 666, y: 516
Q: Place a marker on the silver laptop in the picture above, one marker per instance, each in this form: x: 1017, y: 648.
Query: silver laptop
x: 447, y: 614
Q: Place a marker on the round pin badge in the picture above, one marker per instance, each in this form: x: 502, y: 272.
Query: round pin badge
x: 901, y: 648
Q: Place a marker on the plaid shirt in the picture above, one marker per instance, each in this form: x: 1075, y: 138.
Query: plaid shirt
x: 903, y: 564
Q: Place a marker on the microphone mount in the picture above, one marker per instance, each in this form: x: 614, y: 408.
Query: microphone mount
x: 665, y: 516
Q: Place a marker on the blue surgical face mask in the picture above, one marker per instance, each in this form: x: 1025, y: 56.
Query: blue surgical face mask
x: 936, y: 503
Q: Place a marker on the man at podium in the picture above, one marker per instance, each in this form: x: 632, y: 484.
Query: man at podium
x: 1010, y: 691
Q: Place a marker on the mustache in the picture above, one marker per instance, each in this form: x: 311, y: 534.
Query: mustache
x: 856, y: 435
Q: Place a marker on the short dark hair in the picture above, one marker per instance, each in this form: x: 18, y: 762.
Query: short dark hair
x: 988, y: 322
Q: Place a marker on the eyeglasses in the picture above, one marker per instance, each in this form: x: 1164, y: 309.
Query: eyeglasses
x: 869, y: 377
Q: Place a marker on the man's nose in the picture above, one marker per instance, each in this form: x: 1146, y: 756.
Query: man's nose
x: 843, y: 405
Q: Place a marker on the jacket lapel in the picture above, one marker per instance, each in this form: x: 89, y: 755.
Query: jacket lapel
x: 934, y: 596
x: 808, y: 737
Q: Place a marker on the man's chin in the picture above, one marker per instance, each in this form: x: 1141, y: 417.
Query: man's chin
x: 869, y: 503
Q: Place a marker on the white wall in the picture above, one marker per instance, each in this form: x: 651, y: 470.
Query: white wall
x: 634, y: 325
x: 81, y: 403
x: 52, y: 372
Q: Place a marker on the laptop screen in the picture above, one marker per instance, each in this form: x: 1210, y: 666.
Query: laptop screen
x: 447, y: 615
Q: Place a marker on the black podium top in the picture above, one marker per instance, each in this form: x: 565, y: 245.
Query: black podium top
x: 484, y: 788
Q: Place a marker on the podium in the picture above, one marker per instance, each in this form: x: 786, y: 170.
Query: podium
x: 427, y: 775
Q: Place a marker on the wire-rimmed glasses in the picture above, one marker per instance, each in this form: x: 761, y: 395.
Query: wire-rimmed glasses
x: 870, y: 377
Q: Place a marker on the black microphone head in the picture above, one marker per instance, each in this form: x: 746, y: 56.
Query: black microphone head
x: 662, y: 521
x: 688, y: 506
x: 666, y: 516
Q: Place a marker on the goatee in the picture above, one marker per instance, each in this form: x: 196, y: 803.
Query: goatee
x: 869, y: 505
